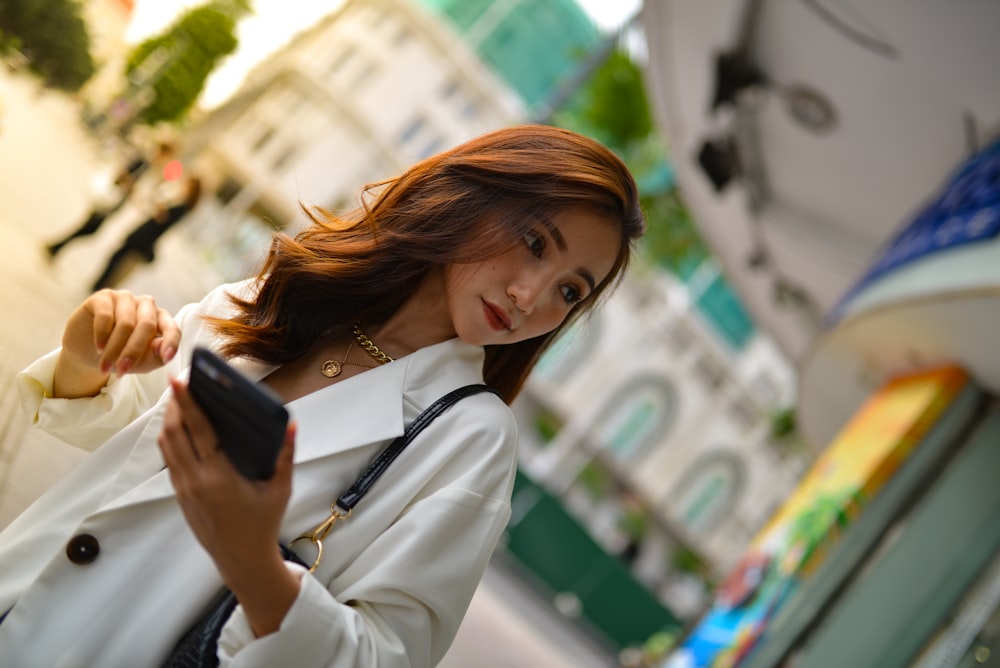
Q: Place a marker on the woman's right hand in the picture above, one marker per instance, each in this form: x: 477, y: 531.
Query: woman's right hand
x: 113, y: 330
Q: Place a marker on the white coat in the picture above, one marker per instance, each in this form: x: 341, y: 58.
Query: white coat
x: 396, y: 577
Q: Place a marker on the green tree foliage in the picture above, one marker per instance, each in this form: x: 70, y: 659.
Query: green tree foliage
x: 672, y: 240
x: 9, y: 43
x: 53, y: 38
x: 613, y: 108
x: 615, y: 103
x: 170, y: 69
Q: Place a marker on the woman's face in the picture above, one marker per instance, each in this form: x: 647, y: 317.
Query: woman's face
x: 530, y: 289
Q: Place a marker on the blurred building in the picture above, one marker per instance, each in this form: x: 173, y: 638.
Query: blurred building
x: 842, y: 160
x: 536, y: 47
x: 653, y: 417
x: 805, y: 139
x: 369, y: 90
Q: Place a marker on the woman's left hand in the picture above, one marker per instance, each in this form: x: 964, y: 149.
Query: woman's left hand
x: 236, y: 520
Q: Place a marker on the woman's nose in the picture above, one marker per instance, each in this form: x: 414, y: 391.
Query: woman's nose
x: 524, y: 295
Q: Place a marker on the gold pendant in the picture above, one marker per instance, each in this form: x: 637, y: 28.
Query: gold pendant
x: 331, y: 368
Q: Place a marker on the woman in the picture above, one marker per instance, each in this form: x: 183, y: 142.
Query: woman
x: 110, y: 197
x: 141, y: 242
x: 462, y: 269
x: 107, y: 197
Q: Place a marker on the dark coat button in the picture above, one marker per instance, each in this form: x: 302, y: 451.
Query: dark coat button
x: 83, y: 549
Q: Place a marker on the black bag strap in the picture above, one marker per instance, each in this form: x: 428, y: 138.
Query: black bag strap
x: 198, y: 646
x: 355, y: 492
x: 342, y: 507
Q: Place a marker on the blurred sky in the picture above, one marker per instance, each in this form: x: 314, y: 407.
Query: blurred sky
x: 275, y: 21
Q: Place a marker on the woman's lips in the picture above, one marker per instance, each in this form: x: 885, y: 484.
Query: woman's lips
x: 496, y: 316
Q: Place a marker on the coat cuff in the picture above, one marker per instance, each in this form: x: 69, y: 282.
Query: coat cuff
x: 85, y: 422
x: 238, y: 639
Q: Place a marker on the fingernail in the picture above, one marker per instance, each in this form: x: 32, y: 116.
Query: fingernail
x: 105, y: 367
x: 101, y: 345
x: 168, y: 354
x: 124, y: 365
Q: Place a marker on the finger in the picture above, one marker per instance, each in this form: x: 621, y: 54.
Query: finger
x: 101, y: 307
x: 200, y: 430
x: 200, y: 456
x: 194, y: 418
x: 124, y: 315
x: 286, y: 456
x: 175, y: 443
x: 281, y: 481
x: 140, y: 340
x: 170, y: 335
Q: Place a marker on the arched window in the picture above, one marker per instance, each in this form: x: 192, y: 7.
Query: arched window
x: 708, y: 490
x: 638, y: 416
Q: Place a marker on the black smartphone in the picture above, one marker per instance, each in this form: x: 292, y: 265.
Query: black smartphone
x: 249, y: 419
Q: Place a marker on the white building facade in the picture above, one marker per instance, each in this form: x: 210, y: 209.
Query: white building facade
x: 677, y: 426
x: 368, y: 91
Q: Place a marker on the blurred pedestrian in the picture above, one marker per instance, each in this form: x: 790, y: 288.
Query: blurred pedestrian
x: 109, y: 194
x: 139, y: 245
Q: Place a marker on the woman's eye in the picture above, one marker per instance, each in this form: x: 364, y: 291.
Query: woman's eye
x: 571, y: 294
x: 535, y: 243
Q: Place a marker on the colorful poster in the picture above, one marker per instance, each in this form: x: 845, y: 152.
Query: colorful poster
x: 859, y: 461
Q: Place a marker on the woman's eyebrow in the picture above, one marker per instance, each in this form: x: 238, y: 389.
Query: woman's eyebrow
x: 560, y: 240
x: 588, y: 277
x: 553, y: 230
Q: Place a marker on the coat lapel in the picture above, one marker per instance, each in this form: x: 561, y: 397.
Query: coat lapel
x: 363, y: 409
x: 355, y: 412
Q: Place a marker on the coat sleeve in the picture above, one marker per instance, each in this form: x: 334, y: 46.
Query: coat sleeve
x: 400, y: 602
x: 88, y: 422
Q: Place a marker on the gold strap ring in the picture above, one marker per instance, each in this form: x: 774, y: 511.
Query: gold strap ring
x: 317, y: 535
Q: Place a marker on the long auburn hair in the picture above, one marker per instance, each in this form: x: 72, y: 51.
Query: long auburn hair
x: 464, y: 205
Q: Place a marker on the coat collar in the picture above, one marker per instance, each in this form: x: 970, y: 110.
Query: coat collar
x: 367, y: 408
x: 372, y: 406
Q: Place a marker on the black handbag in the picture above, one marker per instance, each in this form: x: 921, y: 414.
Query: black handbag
x: 197, y: 648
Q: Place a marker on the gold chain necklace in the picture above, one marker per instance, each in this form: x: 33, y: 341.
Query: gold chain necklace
x: 369, y: 347
x: 332, y: 368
